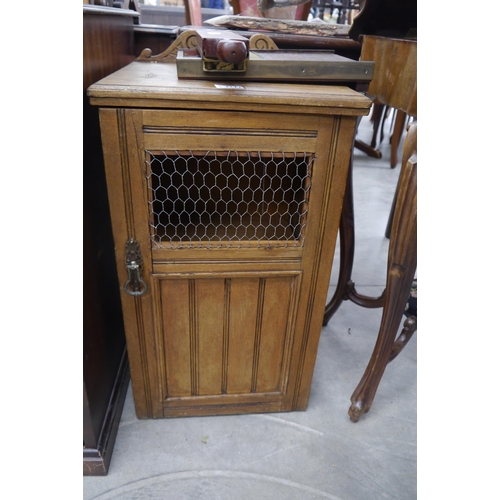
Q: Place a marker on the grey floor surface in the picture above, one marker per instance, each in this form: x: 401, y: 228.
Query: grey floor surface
x: 314, y: 454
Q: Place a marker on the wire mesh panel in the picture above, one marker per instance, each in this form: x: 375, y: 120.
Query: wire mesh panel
x: 228, y: 199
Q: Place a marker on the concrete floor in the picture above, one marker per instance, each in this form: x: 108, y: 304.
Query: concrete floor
x: 306, y: 455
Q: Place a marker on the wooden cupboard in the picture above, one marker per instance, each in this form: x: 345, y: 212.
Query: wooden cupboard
x: 108, y: 44
x: 225, y: 203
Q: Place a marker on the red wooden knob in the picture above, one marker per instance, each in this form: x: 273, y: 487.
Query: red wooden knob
x: 231, y: 51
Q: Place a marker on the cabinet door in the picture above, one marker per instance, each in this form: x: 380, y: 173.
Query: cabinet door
x: 226, y: 341
x: 228, y: 210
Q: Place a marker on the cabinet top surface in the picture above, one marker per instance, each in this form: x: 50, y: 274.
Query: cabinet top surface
x: 144, y: 83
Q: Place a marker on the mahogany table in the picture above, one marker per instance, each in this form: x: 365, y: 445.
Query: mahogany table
x: 394, y: 83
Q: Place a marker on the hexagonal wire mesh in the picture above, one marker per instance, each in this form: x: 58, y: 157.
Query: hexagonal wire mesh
x: 228, y: 199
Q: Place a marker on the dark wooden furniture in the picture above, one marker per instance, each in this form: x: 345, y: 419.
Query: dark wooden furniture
x: 225, y: 201
x: 393, y: 19
x: 402, y: 264
x: 155, y: 37
x: 270, y: 65
x: 341, y: 45
x: 393, y: 84
x: 107, y: 45
x: 378, y: 117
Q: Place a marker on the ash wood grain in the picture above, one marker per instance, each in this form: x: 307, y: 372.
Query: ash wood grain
x: 210, y: 317
x: 275, y: 332
x: 242, y: 323
x: 176, y: 321
x: 395, y: 77
x: 335, y: 181
x: 115, y: 176
x: 132, y: 144
x: 217, y: 142
x: 158, y: 86
x: 226, y: 330
x: 179, y: 122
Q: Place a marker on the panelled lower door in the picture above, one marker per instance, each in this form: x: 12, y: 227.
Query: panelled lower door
x: 227, y: 209
x: 225, y: 342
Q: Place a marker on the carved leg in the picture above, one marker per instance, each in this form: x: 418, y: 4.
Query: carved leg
x: 402, y: 263
x: 409, y: 328
x: 362, y: 397
x: 409, y: 146
x: 388, y: 228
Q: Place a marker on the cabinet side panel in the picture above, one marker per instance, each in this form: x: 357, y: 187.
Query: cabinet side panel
x: 340, y: 142
x: 244, y: 298
x: 275, y: 318
x: 177, y: 342
x: 210, y: 332
x: 112, y: 145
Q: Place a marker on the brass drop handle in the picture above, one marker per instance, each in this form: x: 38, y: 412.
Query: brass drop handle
x: 135, y: 285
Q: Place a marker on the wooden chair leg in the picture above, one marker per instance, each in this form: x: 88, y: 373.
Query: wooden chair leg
x: 387, y: 112
x: 385, y: 350
x: 346, y: 242
x: 397, y: 133
x: 402, y: 264
x: 193, y: 12
x: 372, y: 152
x: 376, y: 119
x: 409, y: 146
x: 345, y: 289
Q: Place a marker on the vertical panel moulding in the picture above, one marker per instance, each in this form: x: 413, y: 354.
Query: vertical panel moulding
x: 141, y: 334
x: 242, y: 321
x: 210, y: 334
x: 225, y: 335
x: 295, y: 285
x: 275, y: 328
x: 148, y: 174
x: 129, y: 210
x: 316, y: 260
x: 193, y: 337
x: 129, y: 217
x: 258, y: 333
x: 176, y: 336
x: 159, y: 340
